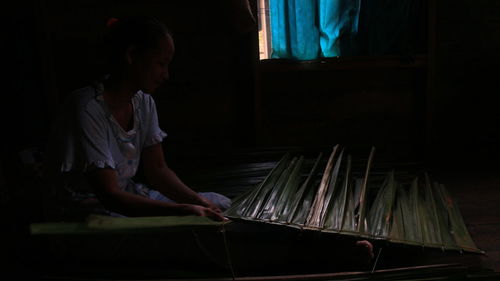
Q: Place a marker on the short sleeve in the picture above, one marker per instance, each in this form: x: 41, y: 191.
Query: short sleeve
x: 153, y: 133
x: 93, y: 138
x: 80, y: 139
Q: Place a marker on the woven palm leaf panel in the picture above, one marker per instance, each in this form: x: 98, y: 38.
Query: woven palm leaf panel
x: 339, y: 197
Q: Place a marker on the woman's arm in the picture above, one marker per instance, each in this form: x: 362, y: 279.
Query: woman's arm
x: 104, y: 182
x: 166, y: 181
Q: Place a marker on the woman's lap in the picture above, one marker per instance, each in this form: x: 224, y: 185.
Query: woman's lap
x: 219, y: 200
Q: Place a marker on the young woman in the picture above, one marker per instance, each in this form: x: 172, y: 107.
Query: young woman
x: 107, y: 129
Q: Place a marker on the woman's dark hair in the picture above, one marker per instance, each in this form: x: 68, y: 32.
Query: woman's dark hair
x: 141, y: 32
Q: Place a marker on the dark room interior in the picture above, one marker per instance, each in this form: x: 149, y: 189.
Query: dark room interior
x: 428, y: 102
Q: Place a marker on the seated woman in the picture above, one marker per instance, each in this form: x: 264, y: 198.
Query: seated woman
x: 106, y: 129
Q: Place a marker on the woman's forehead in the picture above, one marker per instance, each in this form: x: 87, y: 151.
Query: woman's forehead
x: 165, y: 46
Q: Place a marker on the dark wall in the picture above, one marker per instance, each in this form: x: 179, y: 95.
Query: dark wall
x: 357, y: 102
x: 465, y: 128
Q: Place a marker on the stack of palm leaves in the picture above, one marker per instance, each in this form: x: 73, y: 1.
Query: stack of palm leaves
x: 333, y: 198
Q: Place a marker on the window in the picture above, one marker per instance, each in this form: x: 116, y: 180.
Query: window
x: 310, y: 30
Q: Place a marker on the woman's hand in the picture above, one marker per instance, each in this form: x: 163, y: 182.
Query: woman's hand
x: 209, y: 204
x: 204, y: 212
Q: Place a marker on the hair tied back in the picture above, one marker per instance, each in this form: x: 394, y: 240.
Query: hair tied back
x: 111, y: 22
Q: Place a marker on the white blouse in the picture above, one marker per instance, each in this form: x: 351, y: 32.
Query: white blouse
x: 88, y: 137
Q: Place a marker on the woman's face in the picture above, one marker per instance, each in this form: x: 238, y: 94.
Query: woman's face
x: 150, y: 68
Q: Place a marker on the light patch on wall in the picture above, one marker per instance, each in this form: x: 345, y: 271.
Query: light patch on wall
x: 264, y: 29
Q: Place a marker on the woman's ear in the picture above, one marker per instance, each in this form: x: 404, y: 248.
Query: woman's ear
x: 130, y: 53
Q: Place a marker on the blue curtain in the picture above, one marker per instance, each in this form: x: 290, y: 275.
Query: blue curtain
x: 309, y: 29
